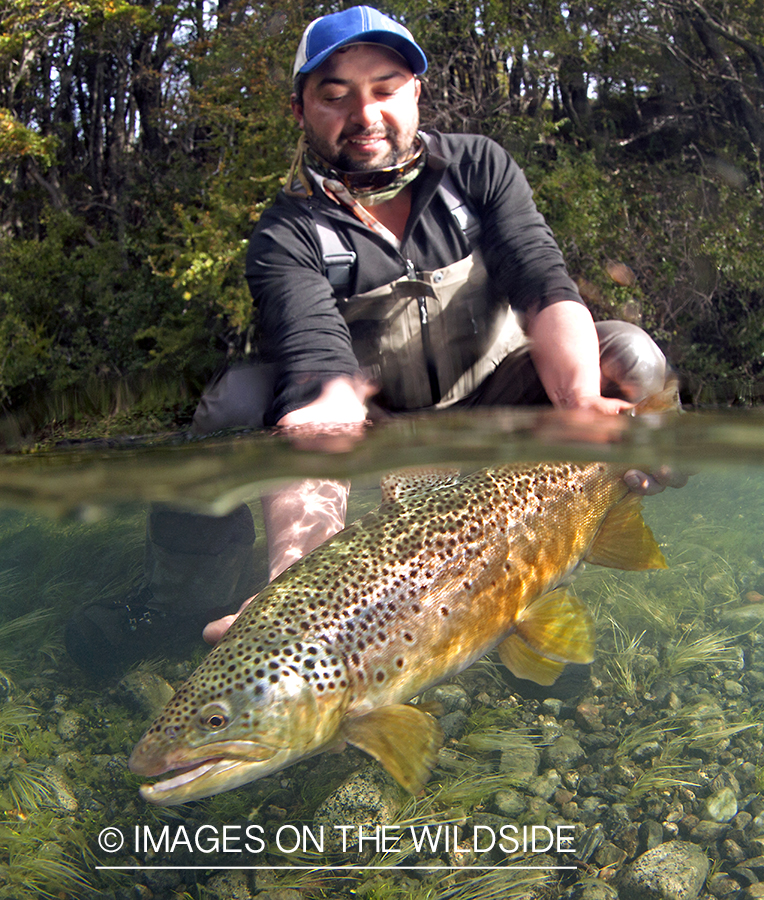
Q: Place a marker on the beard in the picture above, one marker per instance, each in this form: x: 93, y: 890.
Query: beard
x: 401, y: 148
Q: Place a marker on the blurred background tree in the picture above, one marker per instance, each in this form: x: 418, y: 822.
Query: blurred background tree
x: 139, y: 141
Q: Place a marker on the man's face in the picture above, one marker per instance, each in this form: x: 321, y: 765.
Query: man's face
x: 360, y: 109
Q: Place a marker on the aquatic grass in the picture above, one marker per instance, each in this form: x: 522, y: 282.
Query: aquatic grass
x: 486, y: 717
x: 654, y: 732
x: 471, y: 790
x: 619, y: 663
x: 610, y: 596
x: 34, y: 862
x: 712, y: 649
x: 660, y: 779
x: 29, y: 787
x: 14, y: 718
x: 496, y: 739
x: 710, y: 736
x: 499, y: 883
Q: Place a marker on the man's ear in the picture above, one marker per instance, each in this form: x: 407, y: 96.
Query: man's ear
x: 297, y: 110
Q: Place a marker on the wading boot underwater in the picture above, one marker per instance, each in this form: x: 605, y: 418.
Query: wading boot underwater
x: 196, y: 568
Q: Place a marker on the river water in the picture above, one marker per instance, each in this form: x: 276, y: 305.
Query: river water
x: 652, y: 756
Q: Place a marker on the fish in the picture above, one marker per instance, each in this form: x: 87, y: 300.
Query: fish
x: 332, y: 651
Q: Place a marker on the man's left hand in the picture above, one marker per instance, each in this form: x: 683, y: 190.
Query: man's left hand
x: 655, y: 482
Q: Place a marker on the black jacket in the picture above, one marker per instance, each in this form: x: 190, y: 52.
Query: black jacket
x: 303, y: 329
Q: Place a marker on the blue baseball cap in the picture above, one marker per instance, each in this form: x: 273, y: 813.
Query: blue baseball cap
x: 359, y: 24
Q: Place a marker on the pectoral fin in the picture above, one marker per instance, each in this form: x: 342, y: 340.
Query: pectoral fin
x: 402, y: 738
x: 624, y: 541
x: 554, y: 630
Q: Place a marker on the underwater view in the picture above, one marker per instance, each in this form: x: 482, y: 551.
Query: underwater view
x: 639, y: 774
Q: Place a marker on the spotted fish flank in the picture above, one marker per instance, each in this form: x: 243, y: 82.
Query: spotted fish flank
x: 406, y: 597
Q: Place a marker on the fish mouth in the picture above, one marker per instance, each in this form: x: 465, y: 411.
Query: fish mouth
x: 185, y: 784
x: 192, y: 779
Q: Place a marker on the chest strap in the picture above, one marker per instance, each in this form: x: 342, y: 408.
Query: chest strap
x: 339, y: 259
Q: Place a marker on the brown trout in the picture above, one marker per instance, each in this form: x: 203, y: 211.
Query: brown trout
x: 444, y: 571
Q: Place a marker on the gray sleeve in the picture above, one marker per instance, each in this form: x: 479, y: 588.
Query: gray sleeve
x: 520, y: 251
x: 302, y: 329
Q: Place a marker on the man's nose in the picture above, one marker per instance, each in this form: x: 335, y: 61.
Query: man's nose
x: 366, y: 111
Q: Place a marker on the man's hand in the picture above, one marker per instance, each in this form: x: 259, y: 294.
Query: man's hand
x: 342, y: 401
x: 655, y: 482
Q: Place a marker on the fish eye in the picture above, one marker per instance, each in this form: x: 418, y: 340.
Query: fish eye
x: 213, y: 717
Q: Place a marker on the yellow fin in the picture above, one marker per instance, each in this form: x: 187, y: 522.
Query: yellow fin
x: 410, y: 482
x: 666, y: 400
x: 624, y: 541
x: 405, y: 740
x: 433, y: 707
x: 523, y: 662
x: 553, y: 630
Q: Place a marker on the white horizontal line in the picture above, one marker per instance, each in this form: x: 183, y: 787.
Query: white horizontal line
x: 334, y: 868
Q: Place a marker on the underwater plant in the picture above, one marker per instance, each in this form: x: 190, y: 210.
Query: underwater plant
x: 686, y: 653
x: 34, y: 865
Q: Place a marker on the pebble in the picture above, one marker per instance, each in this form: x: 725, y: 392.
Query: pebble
x: 743, y: 616
x: 521, y: 764
x: 230, y: 885
x: 675, y: 870
x: 650, y: 835
x: 706, y: 832
x: 71, y: 725
x: 509, y: 803
x: 452, y: 696
x: 146, y: 692
x: 591, y: 889
x: 62, y: 795
x: 369, y: 797
x: 722, y: 886
x: 564, y: 754
x: 721, y: 806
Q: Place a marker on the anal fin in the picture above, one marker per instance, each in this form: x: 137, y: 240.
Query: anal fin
x: 402, y: 738
x: 624, y: 541
x: 551, y: 631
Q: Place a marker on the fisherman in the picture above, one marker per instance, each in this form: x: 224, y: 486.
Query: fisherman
x: 398, y: 270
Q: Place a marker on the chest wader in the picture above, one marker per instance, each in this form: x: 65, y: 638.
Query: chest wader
x: 430, y: 338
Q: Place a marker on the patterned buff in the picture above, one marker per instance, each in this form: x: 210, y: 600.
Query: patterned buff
x: 356, y: 189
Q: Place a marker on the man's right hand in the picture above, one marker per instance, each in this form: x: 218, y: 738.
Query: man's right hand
x: 342, y: 401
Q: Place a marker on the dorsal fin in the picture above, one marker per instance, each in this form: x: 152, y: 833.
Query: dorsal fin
x: 406, y: 483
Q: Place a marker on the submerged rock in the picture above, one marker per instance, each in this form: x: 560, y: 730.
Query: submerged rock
x: 369, y: 798
x: 229, y: 885
x: 145, y: 692
x: 675, y: 870
x: 721, y: 806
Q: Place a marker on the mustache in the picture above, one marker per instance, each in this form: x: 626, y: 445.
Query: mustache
x: 366, y: 133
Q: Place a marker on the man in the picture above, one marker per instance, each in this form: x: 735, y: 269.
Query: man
x: 390, y: 275
x: 422, y: 317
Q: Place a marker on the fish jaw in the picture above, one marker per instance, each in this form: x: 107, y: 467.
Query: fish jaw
x: 148, y: 758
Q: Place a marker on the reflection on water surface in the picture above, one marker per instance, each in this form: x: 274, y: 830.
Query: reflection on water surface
x: 655, y: 752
